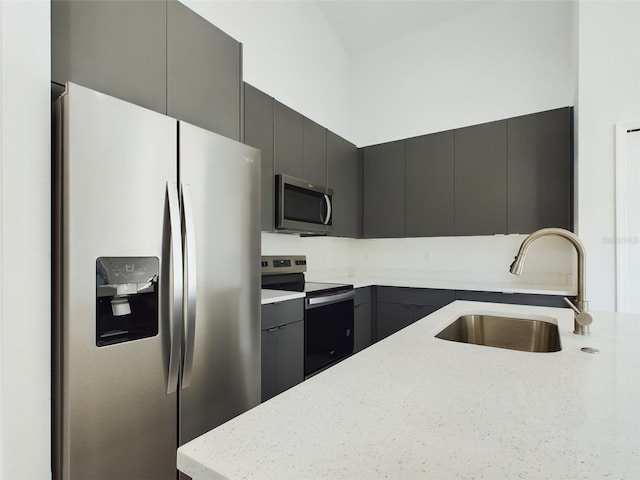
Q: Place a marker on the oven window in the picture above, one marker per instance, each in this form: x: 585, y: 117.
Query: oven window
x: 328, y: 335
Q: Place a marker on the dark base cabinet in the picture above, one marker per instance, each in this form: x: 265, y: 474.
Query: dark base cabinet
x: 282, y: 339
x: 398, y: 307
x: 362, y: 337
x: 512, y: 298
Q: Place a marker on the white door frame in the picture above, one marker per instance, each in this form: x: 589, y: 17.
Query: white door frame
x: 622, y: 238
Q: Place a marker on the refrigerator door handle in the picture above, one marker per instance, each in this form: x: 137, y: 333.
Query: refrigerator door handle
x: 175, y: 304
x: 190, y: 279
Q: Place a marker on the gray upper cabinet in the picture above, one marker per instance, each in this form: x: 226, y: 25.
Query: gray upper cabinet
x: 117, y: 48
x: 384, y: 190
x: 430, y: 185
x: 288, y: 141
x: 315, y: 153
x: 258, y: 132
x: 203, y: 72
x: 539, y: 171
x: 344, y: 176
x: 481, y: 179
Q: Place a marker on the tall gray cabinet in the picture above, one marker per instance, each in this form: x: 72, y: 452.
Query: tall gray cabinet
x: 430, y: 185
x: 204, y: 72
x: 539, y: 175
x: 157, y: 54
x: 258, y: 132
x: 344, y: 176
x: 481, y: 179
x: 288, y: 146
x: 384, y: 190
x: 117, y: 48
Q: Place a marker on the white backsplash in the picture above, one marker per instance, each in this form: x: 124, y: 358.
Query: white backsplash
x: 481, y: 259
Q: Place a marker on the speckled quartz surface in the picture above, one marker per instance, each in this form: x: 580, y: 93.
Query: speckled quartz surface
x: 274, y: 296
x: 416, y: 407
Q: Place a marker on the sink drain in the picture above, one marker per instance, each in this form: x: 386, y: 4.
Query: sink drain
x: 590, y: 350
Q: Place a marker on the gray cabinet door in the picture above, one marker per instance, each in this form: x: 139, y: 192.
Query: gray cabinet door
x: 258, y: 132
x: 344, y: 176
x: 269, y: 359
x: 315, y: 153
x: 203, y: 72
x: 481, y: 179
x: 288, y: 147
x: 512, y: 298
x: 290, y: 355
x: 392, y: 317
x: 361, y: 326
x: 539, y: 171
x: 384, y: 190
x: 282, y: 346
x: 430, y: 185
x: 117, y: 48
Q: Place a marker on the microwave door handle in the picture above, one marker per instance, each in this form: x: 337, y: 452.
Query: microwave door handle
x: 190, y: 280
x: 328, y: 202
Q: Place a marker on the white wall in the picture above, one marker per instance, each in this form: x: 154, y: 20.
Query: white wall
x: 25, y: 315
x: 498, y: 61
x: 608, y: 93
x: 503, y: 60
x: 290, y: 53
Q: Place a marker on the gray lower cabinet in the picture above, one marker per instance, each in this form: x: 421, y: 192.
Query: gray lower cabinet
x: 204, y: 72
x: 282, y: 343
x: 258, y: 132
x: 539, y: 153
x: 512, y: 298
x: 384, y: 190
x: 430, y: 185
x: 481, y: 179
x: 362, y: 337
x: 117, y: 48
x: 344, y: 176
x: 398, y: 307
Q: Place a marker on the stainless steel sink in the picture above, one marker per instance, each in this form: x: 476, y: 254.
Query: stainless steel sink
x: 525, y: 334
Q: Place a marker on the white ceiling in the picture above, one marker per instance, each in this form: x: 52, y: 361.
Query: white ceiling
x: 364, y: 24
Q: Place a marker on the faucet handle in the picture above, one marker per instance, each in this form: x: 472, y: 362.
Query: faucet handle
x: 583, y: 318
x: 572, y: 305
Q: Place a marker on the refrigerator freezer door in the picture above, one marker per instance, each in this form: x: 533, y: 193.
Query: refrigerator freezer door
x: 113, y: 417
x: 224, y: 180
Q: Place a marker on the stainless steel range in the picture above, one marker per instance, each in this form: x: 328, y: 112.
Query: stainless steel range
x: 328, y: 315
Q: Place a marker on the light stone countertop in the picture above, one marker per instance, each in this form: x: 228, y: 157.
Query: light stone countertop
x: 367, y: 281
x: 416, y: 407
x: 273, y: 296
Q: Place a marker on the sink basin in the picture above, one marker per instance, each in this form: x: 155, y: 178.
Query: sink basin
x: 525, y: 334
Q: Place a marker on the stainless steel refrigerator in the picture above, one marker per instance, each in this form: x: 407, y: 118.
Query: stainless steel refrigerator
x: 156, y: 244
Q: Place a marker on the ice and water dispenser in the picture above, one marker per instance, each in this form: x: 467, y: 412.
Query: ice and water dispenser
x: 127, y: 299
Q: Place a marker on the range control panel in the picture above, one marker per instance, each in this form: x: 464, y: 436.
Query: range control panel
x: 280, y: 264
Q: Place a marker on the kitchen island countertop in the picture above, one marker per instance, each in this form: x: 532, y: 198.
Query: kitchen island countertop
x: 415, y: 406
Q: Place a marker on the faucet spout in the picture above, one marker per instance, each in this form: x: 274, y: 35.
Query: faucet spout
x: 582, y: 318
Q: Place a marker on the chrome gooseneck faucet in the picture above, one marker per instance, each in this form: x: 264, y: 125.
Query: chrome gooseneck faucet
x: 582, y: 319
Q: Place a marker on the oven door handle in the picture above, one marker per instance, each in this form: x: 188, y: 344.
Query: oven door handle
x: 315, y: 302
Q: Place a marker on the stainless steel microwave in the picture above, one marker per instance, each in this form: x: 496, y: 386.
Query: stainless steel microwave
x: 302, y: 206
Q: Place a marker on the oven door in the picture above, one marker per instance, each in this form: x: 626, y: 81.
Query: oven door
x: 328, y: 330
x: 302, y: 206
